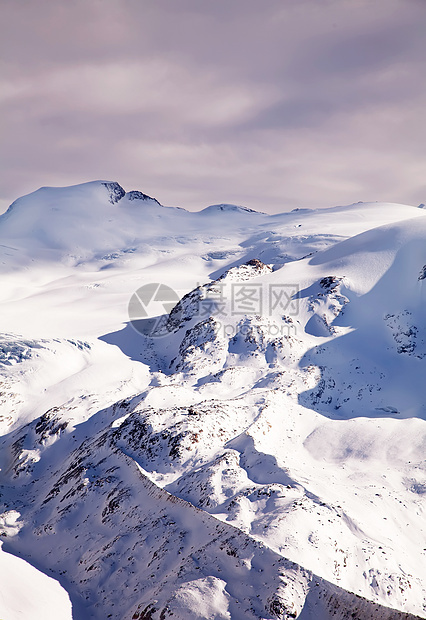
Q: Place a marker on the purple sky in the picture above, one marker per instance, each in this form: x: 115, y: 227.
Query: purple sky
x: 274, y: 105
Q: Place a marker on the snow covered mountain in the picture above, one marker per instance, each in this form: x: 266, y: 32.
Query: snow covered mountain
x: 218, y: 414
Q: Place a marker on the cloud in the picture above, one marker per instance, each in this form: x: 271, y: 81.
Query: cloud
x: 307, y: 103
x: 157, y: 87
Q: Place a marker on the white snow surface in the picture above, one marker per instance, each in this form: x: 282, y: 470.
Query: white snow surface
x: 262, y: 455
x: 27, y: 593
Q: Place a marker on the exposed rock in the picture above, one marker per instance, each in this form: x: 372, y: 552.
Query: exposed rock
x: 115, y: 191
x: 137, y: 195
x: 207, y: 299
x: 422, y: 274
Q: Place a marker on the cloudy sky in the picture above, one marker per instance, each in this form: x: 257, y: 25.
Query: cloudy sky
x: 272, y: 104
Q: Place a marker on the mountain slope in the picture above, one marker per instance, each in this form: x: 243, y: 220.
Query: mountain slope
x: 255, y: 452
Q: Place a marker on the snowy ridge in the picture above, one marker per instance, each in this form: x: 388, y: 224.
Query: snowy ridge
x: 261, y: 458
x: 175, y: 542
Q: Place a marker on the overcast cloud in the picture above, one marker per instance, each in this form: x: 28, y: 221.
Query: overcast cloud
x: 274, y: 105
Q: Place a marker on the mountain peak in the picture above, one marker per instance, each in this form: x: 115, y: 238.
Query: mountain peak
x: 115, y: 191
